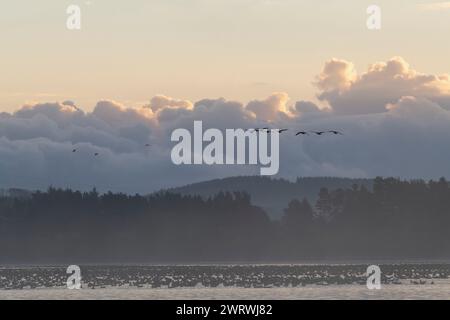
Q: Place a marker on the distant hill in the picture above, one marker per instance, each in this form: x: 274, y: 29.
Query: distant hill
x: 272, y: 195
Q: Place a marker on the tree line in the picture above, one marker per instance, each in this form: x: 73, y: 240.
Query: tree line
x: 395, y: 219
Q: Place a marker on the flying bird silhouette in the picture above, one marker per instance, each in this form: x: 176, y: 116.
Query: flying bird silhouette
x: 335, y: 132
x: 282, y: 130
x: 319, y: 133
x: 302, y: 133
x: 74, y: 150
x: 96, y: 154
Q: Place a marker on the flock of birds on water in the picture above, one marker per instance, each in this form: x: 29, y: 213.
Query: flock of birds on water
x: 267, y: 130
x: 241, y: 276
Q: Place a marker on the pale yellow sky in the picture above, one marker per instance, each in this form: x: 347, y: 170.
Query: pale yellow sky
x: 130, y: 51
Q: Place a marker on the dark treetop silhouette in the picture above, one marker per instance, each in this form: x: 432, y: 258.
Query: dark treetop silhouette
x: 394, y: 219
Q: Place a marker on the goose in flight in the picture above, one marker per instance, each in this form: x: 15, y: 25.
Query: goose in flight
x: 74, y: 150
x: 303, y: 133
x: 96, y: 154
x: 319, y: 133
x: 261, y: 129
x: 335, y: 132
x: 282, y: 130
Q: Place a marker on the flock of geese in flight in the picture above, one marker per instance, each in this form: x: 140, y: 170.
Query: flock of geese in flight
x: 268, y: 130
x: 300, y: 133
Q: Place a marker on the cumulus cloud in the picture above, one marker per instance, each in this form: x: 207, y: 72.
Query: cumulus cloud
x: 271, y: 108
x: 161, y: 101
x: 336, y: 75
x: 383, y: 83
x: 305, y: 107
x: 395, y: 123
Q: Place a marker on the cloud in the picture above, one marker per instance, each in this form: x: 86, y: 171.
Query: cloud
x: 383, y: 83
x: 395, y: 122
x: 161, y: 101
x: 336, y: 75
x: 305, y: 107
x: 271, y: 108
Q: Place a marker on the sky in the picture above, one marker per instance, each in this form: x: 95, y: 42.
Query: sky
x: 137, y: 71
x: 195, y: 49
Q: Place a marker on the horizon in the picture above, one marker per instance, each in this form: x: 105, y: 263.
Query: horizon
x: 181, y: 186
